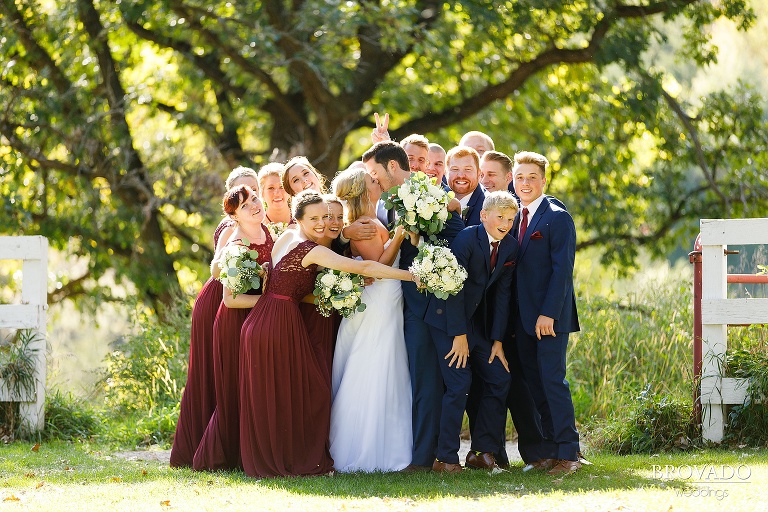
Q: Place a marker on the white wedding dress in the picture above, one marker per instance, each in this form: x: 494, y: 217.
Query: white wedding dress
x: 371, y: 408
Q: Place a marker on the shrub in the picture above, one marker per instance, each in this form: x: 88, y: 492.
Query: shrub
x: 17, y: 377
x: 748, y: 422
x: 144, y: 377
x: 69, y: 418
x: 655, y: 423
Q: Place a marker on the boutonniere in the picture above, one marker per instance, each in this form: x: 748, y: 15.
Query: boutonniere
x: 536, y: 235
x: 510, y: 263
x: 464, y: 212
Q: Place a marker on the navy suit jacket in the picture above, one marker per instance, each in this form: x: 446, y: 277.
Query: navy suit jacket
x: 413, y: 298
x: 472, y: 216
x: 544, y: 270
x: 482, y: 306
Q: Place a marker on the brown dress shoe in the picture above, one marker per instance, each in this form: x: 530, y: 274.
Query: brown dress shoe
x: 564, y: 467
x: 415, y: 468
x: 480, y: 460
x: 446, y: 467
x: 544, y: 464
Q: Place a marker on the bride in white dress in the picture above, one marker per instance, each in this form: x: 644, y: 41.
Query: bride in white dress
x: 371, y: 386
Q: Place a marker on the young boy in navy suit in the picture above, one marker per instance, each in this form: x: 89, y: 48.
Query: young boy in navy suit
x: 467, y: 329
x: 546, y: 310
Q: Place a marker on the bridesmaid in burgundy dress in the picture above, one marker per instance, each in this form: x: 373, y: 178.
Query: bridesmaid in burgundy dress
x: 321, y: 329
x: 285, y: 400
x: 198, y: 400
x: 220, y: 445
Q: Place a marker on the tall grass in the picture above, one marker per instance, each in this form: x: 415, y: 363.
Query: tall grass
x: 644, y: 338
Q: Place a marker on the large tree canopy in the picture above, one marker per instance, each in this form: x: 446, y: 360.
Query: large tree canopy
x: 118, y: 119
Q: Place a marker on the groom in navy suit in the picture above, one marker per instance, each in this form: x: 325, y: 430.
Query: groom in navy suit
x: 387, y: 163
x: 468, y: 328
x: 546, y: 310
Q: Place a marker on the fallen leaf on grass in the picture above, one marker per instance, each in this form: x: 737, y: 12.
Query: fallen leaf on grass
x: 36, y: 447
x: 39, y: 485
x: 29, y: 475
x: 12, y: 497
x: 165, y: 503
x: 116, y: 479
x: 143, y: 472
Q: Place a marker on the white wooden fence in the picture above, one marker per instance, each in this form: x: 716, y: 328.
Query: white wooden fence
x: 30, y: 314
x: 718, y: 311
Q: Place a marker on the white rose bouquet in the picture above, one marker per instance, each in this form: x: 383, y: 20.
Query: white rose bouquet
x: 339, y: 290
x: 437, y: 268
x: 277, y: 228
x: 421, y: 204
x: 240, y: 271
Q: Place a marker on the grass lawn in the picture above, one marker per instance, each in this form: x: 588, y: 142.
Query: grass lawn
x: 83, y: 477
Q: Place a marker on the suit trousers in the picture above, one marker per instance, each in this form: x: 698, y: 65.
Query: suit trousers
x: 491, y: 414
x: 426, y: 387
x: 543, y: 363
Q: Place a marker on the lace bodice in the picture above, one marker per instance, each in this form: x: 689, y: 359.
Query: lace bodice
x: 289, y: 278
x: 265, y: 254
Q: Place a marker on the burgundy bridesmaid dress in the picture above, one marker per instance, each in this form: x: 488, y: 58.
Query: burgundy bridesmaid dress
x: 285, y: 399
x: 220, y: 445
x: 198, y: 400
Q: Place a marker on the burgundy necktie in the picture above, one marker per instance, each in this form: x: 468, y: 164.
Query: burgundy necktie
x: 494, y: 254
x: 523, y: 225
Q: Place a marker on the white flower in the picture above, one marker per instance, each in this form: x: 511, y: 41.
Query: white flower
x: 328, y: 280
x: 346, y: 284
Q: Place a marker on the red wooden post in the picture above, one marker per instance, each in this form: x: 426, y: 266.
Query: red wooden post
x: 695, y: 258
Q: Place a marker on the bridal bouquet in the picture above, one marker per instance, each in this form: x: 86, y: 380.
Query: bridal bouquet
x: 421, y: 205
x: 240, y: 271
x: 339, y: 290
x: 277, y: 228
x: 437, y: 268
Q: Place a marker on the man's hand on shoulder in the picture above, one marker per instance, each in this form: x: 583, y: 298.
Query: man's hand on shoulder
x: 361, y: 229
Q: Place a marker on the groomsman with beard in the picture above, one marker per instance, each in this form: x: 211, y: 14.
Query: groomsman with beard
x: 387, y: 163
x: 463, y: 165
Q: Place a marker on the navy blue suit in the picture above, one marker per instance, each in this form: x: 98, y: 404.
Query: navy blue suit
x: 472, y: 214
x: 472, y: 312
x: 426, y: 381
x: 544, y: 286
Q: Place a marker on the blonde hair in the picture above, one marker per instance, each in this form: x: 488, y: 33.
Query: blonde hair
x: 529, y: 157
x: 474, y: 133
x: 500, y: 200
x: 271, y: 169
x: 349, y: 186
x: 417, y: 140
x: 240, y: 172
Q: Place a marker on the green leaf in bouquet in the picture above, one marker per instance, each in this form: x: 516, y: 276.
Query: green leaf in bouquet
x: 253, y: 254
x: 232, y: 271
x: 361, y: 307
x: 245, y: 241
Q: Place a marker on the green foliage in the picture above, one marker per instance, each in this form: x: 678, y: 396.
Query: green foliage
x: 69, y: 418
x: 747, y: 358
x: 145, y: 376
x: 120, y: 118
x: 18, y: 360
x: 625, y: 345
x: 655, y: 423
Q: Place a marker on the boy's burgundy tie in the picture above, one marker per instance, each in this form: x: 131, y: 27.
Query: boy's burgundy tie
x: 494, y: 254
x: 523, y: 225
